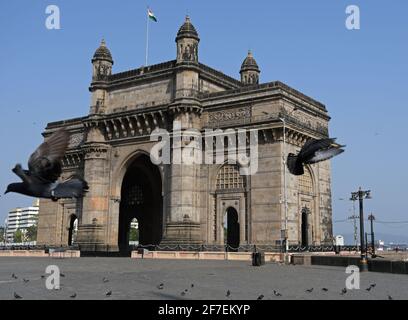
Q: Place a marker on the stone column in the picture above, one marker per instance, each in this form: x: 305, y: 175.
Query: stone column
x: 183, y: 220
x: 91, y: 232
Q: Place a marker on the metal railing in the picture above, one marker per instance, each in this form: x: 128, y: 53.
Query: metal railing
x: 199, y: 248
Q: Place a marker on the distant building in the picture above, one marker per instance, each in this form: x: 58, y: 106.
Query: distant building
x: 339, y: 240
x: 21, y: 218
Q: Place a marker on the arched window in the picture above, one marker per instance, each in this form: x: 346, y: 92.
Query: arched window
x: 306, y: 183
x: 229, y: 178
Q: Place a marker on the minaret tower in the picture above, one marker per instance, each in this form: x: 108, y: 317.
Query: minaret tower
x: 102, y: 63
x: 183, y: 221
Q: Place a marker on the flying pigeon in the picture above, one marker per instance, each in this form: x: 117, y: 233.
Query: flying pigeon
x: 313, y: 151
x: 44, y: 169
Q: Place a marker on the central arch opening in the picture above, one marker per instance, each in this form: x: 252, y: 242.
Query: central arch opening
x: 231, y: 229
x: 141, y: 199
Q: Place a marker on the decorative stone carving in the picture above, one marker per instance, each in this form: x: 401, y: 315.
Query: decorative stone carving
x: 228, y: 115
x: 76, y: 140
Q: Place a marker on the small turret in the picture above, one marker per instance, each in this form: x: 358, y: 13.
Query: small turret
x: 250, y: 70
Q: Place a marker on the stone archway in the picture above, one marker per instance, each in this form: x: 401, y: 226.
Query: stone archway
x: 141, y: 198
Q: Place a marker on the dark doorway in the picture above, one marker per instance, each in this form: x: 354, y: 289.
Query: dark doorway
x: 73, y: 229
x: 305, y: 227
x: 141, y: 199
x: 231, y: 230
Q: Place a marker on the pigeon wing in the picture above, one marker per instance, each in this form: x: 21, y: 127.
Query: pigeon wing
x: 310, y: 148
x: 325, y: 155
x: 45, y: 162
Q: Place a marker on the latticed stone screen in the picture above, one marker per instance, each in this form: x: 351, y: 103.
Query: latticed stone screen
x: 306, y: 183
x: 229, y: 178
x: 134, y: 196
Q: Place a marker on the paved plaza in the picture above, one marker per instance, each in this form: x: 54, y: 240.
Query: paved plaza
x: 139, y: 279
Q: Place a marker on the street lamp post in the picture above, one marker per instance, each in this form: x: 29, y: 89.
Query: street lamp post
x: 360, y: 195
x: 372, y: 218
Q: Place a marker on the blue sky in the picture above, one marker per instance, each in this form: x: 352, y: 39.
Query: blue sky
x: 361, y: 75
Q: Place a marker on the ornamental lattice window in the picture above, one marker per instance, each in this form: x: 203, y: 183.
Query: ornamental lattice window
x: 229, y: 178
x: 306, y: 183
x: 134, y: 196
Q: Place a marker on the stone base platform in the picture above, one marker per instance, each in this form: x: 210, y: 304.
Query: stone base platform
x: 40, y: 254
x: 205, y: 255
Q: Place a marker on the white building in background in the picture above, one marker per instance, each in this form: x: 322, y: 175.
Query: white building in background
x: 21, y: 218
x: 339, y: 240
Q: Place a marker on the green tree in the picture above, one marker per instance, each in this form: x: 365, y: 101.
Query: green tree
x: 31, y: 234
x: 134, y: 234
x: 18, y: 236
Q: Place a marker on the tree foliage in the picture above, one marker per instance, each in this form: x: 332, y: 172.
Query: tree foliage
x: 31, y: 233
x: 18, y: 236
x: 134, y: 234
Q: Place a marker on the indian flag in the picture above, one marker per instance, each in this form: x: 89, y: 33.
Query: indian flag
x: 151, y: 15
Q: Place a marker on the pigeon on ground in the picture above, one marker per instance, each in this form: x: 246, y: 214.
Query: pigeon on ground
x: 228, y: 293
x: 276, y: 293
x: 14, y: 276
x: 373, y: 285
x: 44, y: 169
x: 73, y: 296
x: 183, y: 293
x: 390, y: 298
x: 26, y: 280
x: 369, y: 288
x: 325, y: 289
x: 105, y: 280
x: 261, y: 297
x: 160, y: 286
x: 108, y: 294
x: 313, y: 151
x: 309, y: 290
x: 17, y: 296
x: 344, y: 291
x: 62, y: 275
x: 192, y: 285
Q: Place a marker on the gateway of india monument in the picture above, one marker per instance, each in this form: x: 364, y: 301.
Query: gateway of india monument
x: 189, y: 204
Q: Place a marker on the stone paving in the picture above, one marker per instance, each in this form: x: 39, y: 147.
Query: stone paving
x: 139, y: 279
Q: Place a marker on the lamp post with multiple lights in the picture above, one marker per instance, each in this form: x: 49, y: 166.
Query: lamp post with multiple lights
x: 360, y: 195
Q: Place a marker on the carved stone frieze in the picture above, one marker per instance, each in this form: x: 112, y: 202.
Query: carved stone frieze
x: 229, y: 115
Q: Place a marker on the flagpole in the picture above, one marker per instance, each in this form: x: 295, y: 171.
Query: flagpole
x: 147, y: 36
